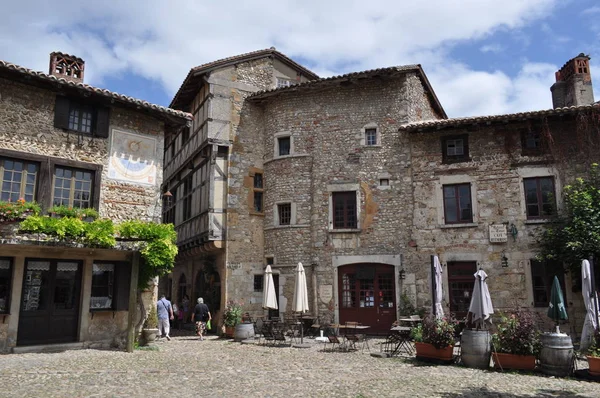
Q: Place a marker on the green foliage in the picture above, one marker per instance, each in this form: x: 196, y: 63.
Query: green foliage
x: 594, y: 350
x: 407, y: 308
x: 152, y: 321
x: 576, y: 235
x: 232, y: 314
x: 437, y: 332
x: 17, y: 211
x: 100, y: 233
x: 65, y: 211
x: 517, y: 335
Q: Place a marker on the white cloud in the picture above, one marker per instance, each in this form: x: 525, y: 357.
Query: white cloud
x: 162, y: 40
x: 491, y: 48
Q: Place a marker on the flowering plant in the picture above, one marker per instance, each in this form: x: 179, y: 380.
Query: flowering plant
x: 437, y: 332
x: 517, y: 335
x: 232, y: 314
x: 17, y: 211
x: 594, y: 350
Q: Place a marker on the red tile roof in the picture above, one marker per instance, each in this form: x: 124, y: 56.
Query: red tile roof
x: 181, y: 97
x: 431, y: 125
x: 40, y: 76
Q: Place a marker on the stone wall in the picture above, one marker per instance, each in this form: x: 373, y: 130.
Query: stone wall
x: 495, y: 171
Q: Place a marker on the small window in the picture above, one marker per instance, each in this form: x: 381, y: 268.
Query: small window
x: 344, y: 210
x: 18, y: 179
x: 270, y: 260
x: 187, y: 197
x: 542, y: 276
x: 457, y: 204
x: 258, y: 192
x: 285, y: 213
x: 258, y: 283
x: 81, y: 118
x: 531, y: 142
x: 284, y: 82
x: 384, y: 182
x: 539, y: 197
x: 455, y: 149
x: 284, y: 145
x: 5, y: 284
x: 73, y: 187
x: 103, y: 278
x: 370, y: 137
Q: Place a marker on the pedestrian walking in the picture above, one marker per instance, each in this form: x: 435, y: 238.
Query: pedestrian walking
x: 165, y: 314
x: 201, y: 315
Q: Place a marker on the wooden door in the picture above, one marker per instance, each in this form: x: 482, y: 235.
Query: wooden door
x: 50, y: 302
x: 367, y: 295
x: 461, y: 282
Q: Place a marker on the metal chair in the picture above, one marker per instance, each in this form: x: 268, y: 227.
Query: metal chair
x: 352, y: 337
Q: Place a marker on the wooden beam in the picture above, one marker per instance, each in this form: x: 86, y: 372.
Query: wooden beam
x: 135, y: 271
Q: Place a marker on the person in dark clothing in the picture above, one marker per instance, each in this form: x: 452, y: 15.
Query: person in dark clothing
x: 201, y: 315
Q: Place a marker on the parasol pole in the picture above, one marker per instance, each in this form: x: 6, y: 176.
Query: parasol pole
x: 433, y: 286
x: 481, y: 294
x: 593, y: 294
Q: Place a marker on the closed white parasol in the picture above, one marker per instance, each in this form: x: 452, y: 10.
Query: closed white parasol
x: 269, y: 298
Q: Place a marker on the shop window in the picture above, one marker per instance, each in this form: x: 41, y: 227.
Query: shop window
x: 103, y: 279
x: 5, y: 285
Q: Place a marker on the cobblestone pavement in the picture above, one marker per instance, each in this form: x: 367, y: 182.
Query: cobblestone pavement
x: 187, y: 367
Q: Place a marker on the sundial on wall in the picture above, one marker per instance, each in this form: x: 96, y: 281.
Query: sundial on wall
x: 132, y: 158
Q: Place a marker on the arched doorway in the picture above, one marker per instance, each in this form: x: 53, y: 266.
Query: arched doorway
x: 181, y: 288
x: 208, y: 286
x: 367, y: 295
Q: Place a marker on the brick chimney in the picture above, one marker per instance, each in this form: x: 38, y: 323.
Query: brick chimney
x: 573, y: 85
x: 68, y: 67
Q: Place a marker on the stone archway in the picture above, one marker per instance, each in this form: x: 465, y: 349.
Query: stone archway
x: 208, y: 286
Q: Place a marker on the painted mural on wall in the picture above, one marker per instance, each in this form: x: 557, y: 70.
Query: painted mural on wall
x: 132, y: 158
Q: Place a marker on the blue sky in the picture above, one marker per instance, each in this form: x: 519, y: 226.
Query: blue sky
x: 481, y: 56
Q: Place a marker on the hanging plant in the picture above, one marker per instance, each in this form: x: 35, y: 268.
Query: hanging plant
x: 17, y: 211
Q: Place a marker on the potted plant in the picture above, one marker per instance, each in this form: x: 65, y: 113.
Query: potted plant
x: 434, y: 339
x: 231, y: 317
x: 88, y: 215
x: 516, y: 343
x: 593, y: 355
x: 150, y: 329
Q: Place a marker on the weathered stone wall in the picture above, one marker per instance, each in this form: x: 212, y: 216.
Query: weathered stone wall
x: 27, y: 125
x: 496, y: 171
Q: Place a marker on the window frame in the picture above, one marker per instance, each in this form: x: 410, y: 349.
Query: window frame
x: 9, y: 286
x: 464, y: 157
x: 540, y: 200
x: 72, y: 185
x: 282, y: 82
x: 82, y: 108
x: 547, y: 274
x: 527, y: 151
x: 258, y: 192
x: 276, y: 144
x: 371, y: 132
x: 45, y: 179
x: 23, y: 182
x: 284, y: 214
x: 458, y: 209
x: 111, y: 287
x: 346, y: 197
x: 259, y: 283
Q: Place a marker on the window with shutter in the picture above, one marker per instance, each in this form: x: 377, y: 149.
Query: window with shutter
x: 82, y: 117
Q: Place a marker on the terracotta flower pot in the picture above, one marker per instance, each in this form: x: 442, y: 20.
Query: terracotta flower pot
x: 513, y: 361
x: 425, y: 350
x: 229, y: 331
x: 594, y: 363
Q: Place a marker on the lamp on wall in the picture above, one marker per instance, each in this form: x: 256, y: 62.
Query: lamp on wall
x: 504, y: 260
x: 168, y: 197
x: 401, y: 274
x: 513, y: 231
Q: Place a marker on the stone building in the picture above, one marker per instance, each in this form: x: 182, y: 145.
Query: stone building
x: 484, y: 188
x: 292, y: 168
x: 63, y: 142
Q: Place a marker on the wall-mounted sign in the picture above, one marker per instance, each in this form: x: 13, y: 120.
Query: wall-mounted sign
x: 498, y: 233
x: 325, y: 293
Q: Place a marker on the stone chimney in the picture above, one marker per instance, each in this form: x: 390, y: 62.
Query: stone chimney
x: 573, y: 85
x: 68, y: 67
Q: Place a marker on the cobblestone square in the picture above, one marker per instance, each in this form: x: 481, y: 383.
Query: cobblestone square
x: 187, y: 367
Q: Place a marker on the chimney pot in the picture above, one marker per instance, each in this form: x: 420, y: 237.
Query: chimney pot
x: 573, y: 85
x: 68, y: 67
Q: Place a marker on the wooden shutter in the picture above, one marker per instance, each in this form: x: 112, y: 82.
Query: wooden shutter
x: 61, y: 112
x: 102, y: 122
x: 122, y: 282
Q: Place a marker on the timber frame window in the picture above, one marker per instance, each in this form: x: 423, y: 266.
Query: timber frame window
x: 344, y: 210
x: 540, y: 199
x: 542, y: 275
x: 60, y: 181
x: 455, y: 148
x: 5, y: 284
x: 110, y: 286
x: 258, y: 192
x: 188, y: 189
x: 81, y: 116
x: 73, y: 187
x: 458, y: 207
x: 18, y: 179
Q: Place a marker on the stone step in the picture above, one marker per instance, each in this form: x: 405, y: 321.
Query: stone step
x: 47, y: 348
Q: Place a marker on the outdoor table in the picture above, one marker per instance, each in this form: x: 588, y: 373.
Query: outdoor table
x: 398, y: 338
x: 348, y: 329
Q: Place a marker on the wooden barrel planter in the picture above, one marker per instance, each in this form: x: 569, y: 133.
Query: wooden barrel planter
x: 556, y: 357
x: 475, y: 348
x: 428, y: 351
x: 512, y: 361
x: 243, y: 331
